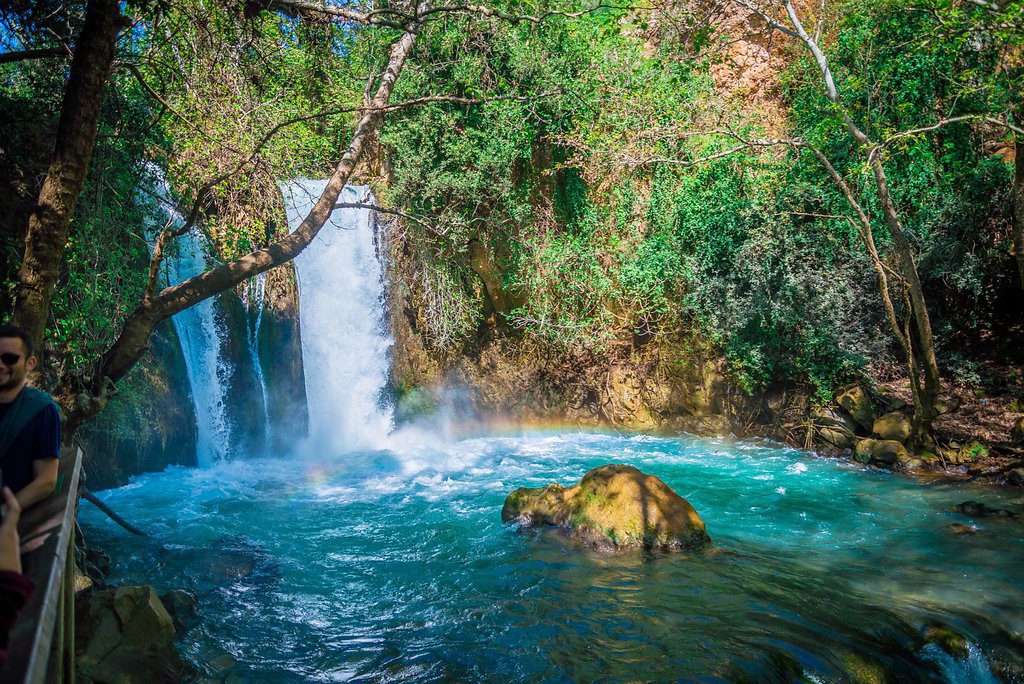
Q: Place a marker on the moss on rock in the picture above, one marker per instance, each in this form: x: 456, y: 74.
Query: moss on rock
x: 614, y: 506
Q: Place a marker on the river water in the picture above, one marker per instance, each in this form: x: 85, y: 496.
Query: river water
x: 393, y: 565
x: 374, y: 555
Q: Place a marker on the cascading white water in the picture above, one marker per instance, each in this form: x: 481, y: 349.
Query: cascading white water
x: 256, y: 290
x: 344, y: 337
x: 199, y: 331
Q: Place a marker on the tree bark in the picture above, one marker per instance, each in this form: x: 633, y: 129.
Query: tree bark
x: 925, y: 409
x: 50, y: 221
x: 134, y: 337
x: 1018, y: 207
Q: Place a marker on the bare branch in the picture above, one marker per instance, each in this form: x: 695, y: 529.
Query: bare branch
x: 24, y: 55
x: 945, y: 122
x: 520, y: 18
x: 382, y: 210
x: 304, y: 8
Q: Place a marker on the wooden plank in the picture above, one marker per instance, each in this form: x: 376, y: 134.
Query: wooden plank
x: 47, y: 533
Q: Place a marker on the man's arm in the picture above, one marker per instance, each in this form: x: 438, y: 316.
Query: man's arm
x: 44, y: 471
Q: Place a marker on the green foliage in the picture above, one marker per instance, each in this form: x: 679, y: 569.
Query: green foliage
x: 579, y: 155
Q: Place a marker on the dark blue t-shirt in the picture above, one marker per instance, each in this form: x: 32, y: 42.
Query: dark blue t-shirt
x: 40, y: 438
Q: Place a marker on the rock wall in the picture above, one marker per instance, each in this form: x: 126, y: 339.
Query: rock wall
x: 508, y: 376
x: 152, y: 422
x: 245, y: 410
x: 150, y: 425
x: 280, y: 356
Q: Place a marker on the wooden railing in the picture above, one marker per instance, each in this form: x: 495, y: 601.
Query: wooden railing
x: 42, y: 643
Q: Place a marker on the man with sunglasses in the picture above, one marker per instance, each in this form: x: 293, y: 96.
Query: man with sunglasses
x: 29, y: 422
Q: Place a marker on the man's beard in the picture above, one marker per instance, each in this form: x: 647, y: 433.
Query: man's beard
x: 12, y: 382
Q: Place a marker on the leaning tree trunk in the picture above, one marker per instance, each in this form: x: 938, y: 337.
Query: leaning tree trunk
x: 924, y: 397
x: 134, y: 336
x: 50, y: 222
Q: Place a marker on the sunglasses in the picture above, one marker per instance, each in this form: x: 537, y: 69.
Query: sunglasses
x: 10, y: 359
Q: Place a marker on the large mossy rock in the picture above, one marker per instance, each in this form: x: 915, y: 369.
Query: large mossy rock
x: 835, y: 428
x: 887, y: 453
x: 126, y: 635
x: 892, y: 426
x: 614, y: 506
x: 857, y: 402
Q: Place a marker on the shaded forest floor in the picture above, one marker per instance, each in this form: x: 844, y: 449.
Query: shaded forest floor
x: 987, y: 412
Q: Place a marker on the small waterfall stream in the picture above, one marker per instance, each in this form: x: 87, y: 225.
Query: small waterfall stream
x: 256, y: 290
x: 200, y: 332
x: 344, y: 337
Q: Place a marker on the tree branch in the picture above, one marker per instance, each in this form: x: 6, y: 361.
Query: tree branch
x: 134, y: 336
x: 43, y: 53
x: 382, y: 210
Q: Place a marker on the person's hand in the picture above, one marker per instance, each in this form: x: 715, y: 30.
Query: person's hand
x: 10, y: 543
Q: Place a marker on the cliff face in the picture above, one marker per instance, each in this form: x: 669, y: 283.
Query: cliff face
x: 280, y: 357
x: 150, y: 425
x: 631, y: 383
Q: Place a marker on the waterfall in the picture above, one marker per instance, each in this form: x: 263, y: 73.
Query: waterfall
x: 200, y: 332
x: 256, y: 290
x: 344, y: 336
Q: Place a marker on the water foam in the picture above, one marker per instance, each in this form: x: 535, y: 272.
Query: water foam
x: 345, y: 342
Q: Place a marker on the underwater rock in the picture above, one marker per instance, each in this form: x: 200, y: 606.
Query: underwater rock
x: 126, y: 635
x: 860, y: 669
x: 976, y: 509
x: 892, y: 426
x: 857, y: 402
x: 614, y: 506
x: 960, y: 528
x: 949, y: 641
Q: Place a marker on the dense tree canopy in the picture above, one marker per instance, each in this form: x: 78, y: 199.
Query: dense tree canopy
x: 584, y: 174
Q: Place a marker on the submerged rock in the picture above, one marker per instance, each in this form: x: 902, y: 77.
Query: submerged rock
x: 614, y: 506
x: 126, y: 635
x: 976, y: 509
x: 860, y: 669
x: 949, y: 641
